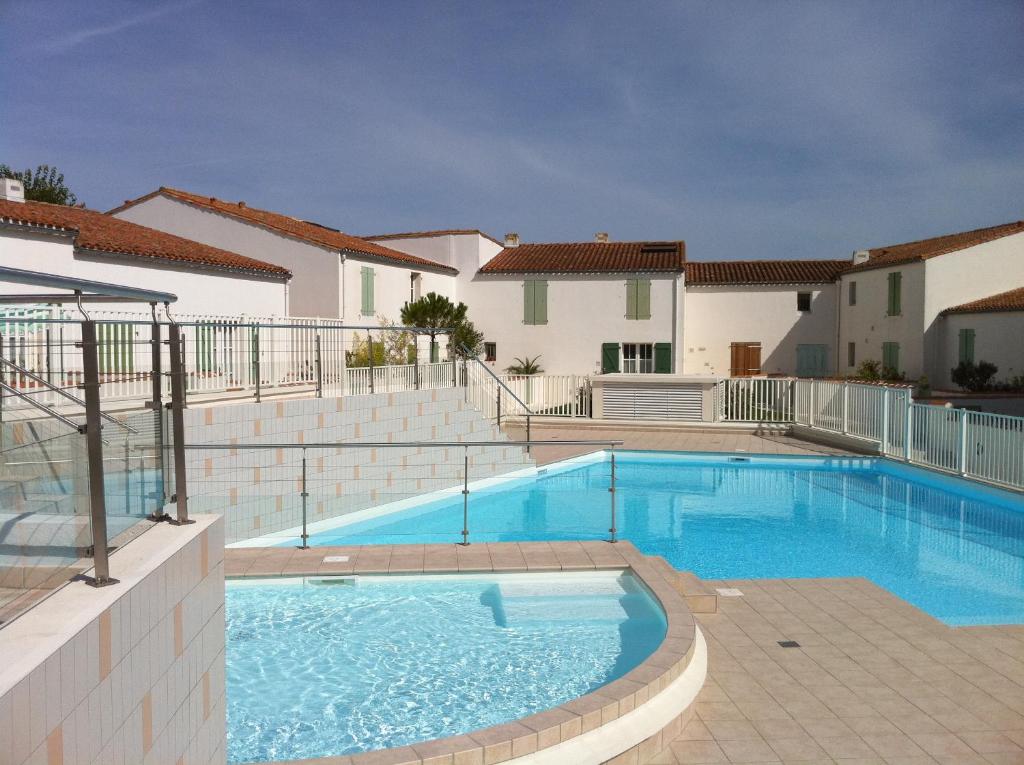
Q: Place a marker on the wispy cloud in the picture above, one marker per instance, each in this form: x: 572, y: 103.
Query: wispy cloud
x: 65, y: 43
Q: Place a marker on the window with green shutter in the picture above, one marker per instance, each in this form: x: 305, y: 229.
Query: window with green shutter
x: 967, y: 346
x: 663, y: 358
x: 535, y: 301
x: 609, y: 358
x: 895, y: 293
x: 638, y: 299
x: 366, y: 274
x: 891, y: 356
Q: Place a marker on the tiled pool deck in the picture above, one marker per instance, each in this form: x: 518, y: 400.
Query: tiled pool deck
x: 874, y: 680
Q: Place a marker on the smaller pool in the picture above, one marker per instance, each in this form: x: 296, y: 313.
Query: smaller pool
x: 328, y: 666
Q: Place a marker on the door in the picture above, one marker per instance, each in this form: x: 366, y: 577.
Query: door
x: 745, y: 359
x: 811, y: 360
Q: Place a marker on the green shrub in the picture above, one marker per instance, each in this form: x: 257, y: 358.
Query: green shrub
x: 869, y: 369
x: 974, y: 377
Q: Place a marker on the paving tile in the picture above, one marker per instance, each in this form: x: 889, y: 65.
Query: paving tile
x: 697, y: 752
x: 749, y: 750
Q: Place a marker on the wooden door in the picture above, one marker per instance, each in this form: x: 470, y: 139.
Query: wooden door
x: 745, y: 359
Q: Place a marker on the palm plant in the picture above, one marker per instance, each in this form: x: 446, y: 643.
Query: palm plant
x: 525, y: 366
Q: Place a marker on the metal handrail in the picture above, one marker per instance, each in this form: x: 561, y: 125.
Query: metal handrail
x: 498, y: 380
x: 63, y: 392
x: 41, y: 406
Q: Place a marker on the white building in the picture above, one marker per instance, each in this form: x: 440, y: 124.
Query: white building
x: 761, y: 317
x: 85, y: 244
x: 990, y: 329
x: 335, y: 275
x: 892, y: 298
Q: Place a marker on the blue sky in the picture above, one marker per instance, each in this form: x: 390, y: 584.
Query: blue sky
x: 749, y: 129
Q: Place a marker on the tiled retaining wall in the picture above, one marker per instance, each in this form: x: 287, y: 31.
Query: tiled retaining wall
x: 127, y: 674
x: 258, y: 491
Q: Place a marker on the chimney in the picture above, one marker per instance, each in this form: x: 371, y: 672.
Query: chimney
x: 12, y: 190
x: 512, y: 240
x: 860, y: 256
x: 601, y: 236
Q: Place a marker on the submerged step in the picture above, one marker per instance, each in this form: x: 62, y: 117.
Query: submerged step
x: 544, y: 610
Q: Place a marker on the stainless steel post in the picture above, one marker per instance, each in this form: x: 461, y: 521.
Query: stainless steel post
x: 499, y: 407
x: 369, y: 356
x: 416, y: 361
x: 611, y: 491
x: 94, y: 445
x: 465, y: 496
x: 319, y: 369
x: 256, y: 358
x: 305, y: 495
x: 178, y: 426
x: 156, y: 353
x: 528, y: 439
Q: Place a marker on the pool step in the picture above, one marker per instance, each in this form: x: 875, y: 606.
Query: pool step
x: 522, y: 612
x: 701, y: 598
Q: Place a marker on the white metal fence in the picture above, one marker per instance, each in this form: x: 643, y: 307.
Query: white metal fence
x: 552, y: 395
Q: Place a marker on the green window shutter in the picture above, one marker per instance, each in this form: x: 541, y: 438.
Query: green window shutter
x: 643, y: 298
x: 367, y: 283
x: 528, y: 302
x: 967, y: 345
x: 895, y: 296
x: 609, y: 358
x: 662, y: 357
x: 631, y: 298
x: 891, y: 356
x: 540, y: 308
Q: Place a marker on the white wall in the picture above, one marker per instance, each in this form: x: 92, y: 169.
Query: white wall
x: 716, y: 316
x: 997, y: 338
x: 963, y: 276
x: 198, y: 291
x: 867, y: 324
x: 391, y: 290
x: 584, y: 311
x: 315, y: 287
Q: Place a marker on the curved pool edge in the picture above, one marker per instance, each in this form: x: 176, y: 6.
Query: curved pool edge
x: 641, y: 711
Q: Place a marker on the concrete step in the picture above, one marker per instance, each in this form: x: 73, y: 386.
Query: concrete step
x: 700, y: 598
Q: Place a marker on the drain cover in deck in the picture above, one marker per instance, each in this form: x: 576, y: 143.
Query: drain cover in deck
x: 789, y: 644
x: 729, y: 592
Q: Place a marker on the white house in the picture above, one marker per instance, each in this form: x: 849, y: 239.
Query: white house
x: 335, y: 275
x: 892, y: 298
x: 990, y: 329
x: 81, y: 243
x: 761, y: 317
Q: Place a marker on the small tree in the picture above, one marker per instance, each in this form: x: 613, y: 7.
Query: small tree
x: 974, y: 377
x: 44, y: 184
x: 525, y: 366
x: 869, y: 369
x: 435, y: 314
x: 466, y: 340
x: 391, y: 346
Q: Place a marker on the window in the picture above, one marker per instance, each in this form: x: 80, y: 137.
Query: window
x: 891, y: 356
x: 535, y: 301
x: 415, y: 282
x: 638, y: 358
x: 851, y: 354
x: 853, y: 293
x: 490, y: 351
x: 803, y: 301
x: 638, y: 298
x: 366, y: 274
x: 895, y: 296
x: 966, y: 346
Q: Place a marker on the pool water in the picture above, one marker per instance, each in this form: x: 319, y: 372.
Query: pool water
x: 951, y: 547
x: 319, y: 667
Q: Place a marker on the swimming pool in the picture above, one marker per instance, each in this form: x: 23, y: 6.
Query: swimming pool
x: 324, y: 666
x: 951, y: 547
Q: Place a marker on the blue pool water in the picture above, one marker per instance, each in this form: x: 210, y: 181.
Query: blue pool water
x: 319, y: 667
x: 953, y: 548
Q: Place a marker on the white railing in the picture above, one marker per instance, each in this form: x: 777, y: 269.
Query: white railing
x: 490, y: 395
x: 395, y: 379
x: 739, y: 399
x: 552, y: 395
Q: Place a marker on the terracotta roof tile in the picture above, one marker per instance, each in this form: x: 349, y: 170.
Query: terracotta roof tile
x: 589, y: 257
x: 1013, y: 300
x: 313, y: 233
x: 103, y: 233
x: 909, y: 252
x: 764, y: 272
